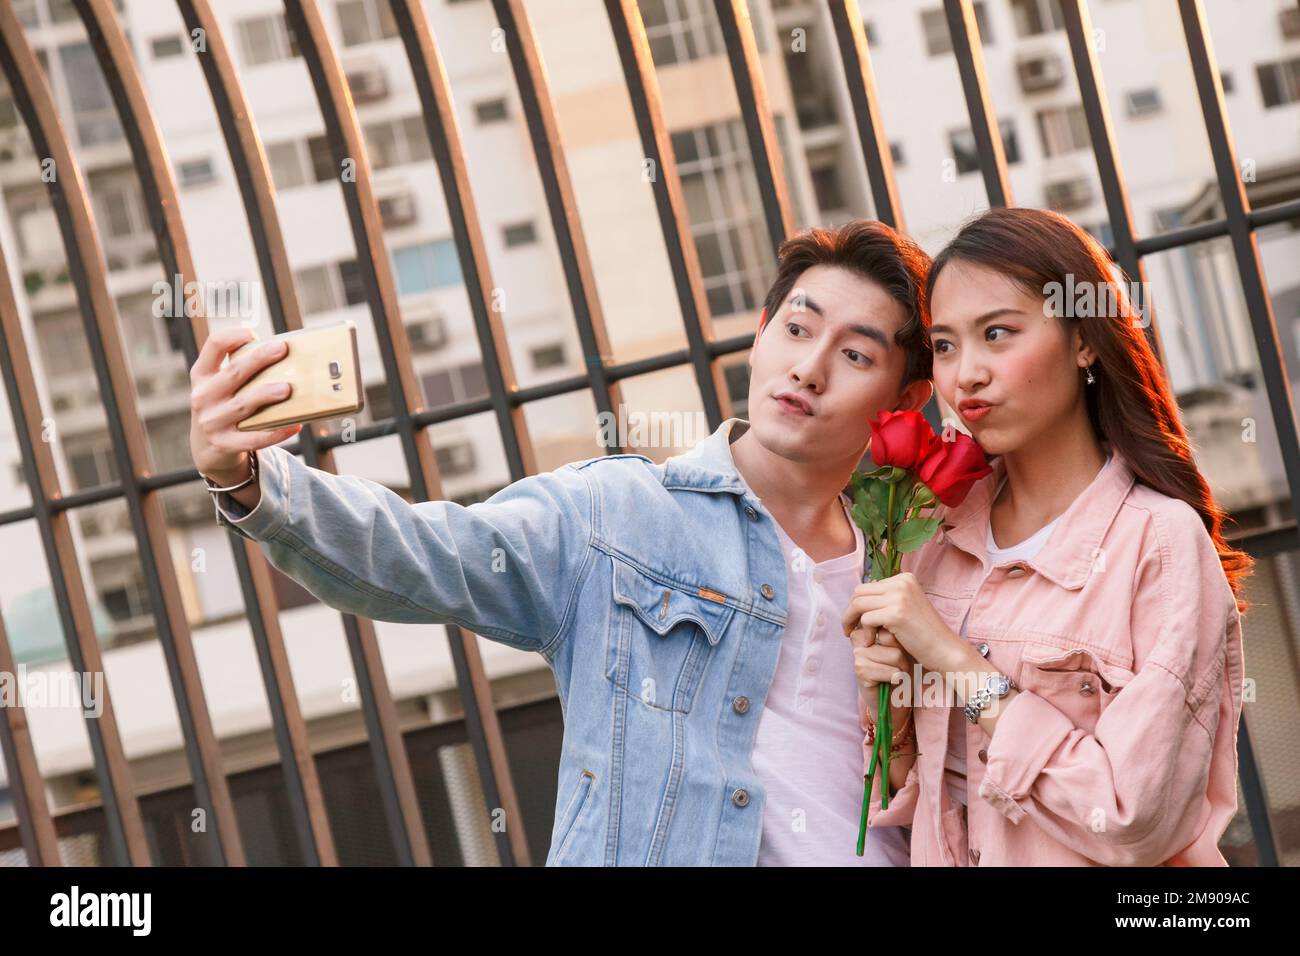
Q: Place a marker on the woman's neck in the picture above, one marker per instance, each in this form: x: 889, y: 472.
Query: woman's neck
x: 1043, y: 479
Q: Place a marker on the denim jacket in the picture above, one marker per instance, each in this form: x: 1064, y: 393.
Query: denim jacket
x: 655, y: 592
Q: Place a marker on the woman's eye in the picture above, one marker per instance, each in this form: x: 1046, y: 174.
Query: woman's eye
x: 995, y: 328
x: 939, y: 344
x: 792, y: 325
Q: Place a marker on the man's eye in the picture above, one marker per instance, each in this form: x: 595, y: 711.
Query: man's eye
x: 792, y: 325
x: 854, y: 356
x: 995, y: 328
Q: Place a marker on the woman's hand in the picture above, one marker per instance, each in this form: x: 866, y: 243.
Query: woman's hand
x: 899, y: 605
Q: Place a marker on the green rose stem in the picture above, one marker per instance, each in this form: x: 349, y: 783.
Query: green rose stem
x: 880, y: 747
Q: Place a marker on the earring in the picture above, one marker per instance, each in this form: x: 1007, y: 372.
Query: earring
x: 1089, y: 378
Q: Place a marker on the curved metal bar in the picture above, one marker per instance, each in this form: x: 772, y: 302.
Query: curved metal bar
x: 306, y: 802
x: 751, y: 92
x: 674, y: 219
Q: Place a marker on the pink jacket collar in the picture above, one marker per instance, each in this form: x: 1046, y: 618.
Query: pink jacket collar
x: 1070, y: 553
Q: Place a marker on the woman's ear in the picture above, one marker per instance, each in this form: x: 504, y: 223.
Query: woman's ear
x: 1084, y: 353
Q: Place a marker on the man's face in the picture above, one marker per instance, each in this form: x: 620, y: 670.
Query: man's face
x: 830, y: 348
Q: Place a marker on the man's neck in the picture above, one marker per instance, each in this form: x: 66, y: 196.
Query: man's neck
x: 804, y: 501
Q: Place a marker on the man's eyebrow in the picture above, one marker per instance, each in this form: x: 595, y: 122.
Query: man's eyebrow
x: 806, y: 301
x: 982, y: 320
x: 869, y: 331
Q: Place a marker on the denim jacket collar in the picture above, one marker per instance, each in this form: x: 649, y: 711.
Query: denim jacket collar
x: 1071, y: 551
x: 709, y: 465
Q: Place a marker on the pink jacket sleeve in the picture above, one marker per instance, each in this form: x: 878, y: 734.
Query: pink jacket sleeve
x: 1139, y: 790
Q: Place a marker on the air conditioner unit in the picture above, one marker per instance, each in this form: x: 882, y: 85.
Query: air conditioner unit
x: 367, y: 84
x: 1039, y: 73
x: 426, y: 335
x: 1289, y: 21
x: 1069, y: 194
x: 398, y: 210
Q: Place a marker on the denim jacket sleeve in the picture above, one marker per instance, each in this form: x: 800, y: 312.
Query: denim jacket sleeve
x: 1138, y: 790
x: 507, y: 568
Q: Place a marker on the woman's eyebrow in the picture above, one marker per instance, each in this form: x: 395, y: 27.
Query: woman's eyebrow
x: 985, y: 318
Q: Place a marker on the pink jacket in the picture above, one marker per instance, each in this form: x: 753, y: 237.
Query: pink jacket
x: 1125, y: 641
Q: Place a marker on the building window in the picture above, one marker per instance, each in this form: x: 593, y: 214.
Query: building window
x: 680, y: 30
x: 825, y: 174
x: 967, y: 157
x: 448, y: 386
x: 91, y: 459
x: 934, y: 24
x: 491, y: 111
x: 1279, y: 83
x: 548, y: 356
x: 94, y: 115
x: 715, y: 168
x: 1143, y: 102
x: 519, y: 234
x: 427, y: 266
x: 737, y: 376
x: 456, y: 459
x: 1103, y: 233
x: 333, y: 285
x: 287, y: 168
x: 397, y: 142
x: 322, y: 159
x: 365, y: 21
x: 1033, y: 17
x: 266, y: 39
x: 165, y: 47
x: 1063, y: 130
x: 195, y: 172
x: 897, y: 155
x: 1227, y: 82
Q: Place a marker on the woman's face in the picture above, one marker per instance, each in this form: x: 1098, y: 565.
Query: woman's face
x: 996, y: 346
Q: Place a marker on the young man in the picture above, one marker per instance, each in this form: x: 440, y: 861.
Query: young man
x: 690, y: 611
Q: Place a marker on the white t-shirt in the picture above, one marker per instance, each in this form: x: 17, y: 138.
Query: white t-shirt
x: 809, y: 750
x: 955, y: 762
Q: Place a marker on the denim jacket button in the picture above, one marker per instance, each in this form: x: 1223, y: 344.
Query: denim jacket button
x: 741, y: 704
x: 1086, y: 689
x: 1015, y: 571
x: 750, y: 513
x: 768, y: 591
x: 740, y: 797
x: 984, y: 755
x: 983, y: 649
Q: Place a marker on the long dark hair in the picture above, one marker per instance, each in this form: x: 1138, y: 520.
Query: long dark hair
x: 1131, y: 404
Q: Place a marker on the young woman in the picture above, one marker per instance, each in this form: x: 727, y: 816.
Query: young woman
x: 1081, y: 605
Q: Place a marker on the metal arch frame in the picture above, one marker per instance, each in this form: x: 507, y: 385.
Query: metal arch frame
x: 601, y: 377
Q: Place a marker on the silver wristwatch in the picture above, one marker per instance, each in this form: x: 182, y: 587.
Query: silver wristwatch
x: 996, y: 686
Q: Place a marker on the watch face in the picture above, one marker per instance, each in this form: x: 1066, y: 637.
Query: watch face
x: 998, y: 684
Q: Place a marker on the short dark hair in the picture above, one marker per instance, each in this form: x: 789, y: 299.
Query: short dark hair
x: 871, y: 249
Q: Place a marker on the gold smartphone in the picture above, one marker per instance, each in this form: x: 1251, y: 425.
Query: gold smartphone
x: 324, y: 369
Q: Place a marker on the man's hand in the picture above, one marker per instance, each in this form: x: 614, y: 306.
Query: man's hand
x: 219, y: 449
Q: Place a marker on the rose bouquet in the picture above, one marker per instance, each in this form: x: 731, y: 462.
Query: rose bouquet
x: 917, y: 471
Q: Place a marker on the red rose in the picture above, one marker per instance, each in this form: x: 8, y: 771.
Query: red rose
x: 953, y: 468
x: 902, y: 439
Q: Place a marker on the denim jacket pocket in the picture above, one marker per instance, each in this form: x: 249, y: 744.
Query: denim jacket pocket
x: 1076, y: 681
x: 572, y: 811
x: 662, y: 635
